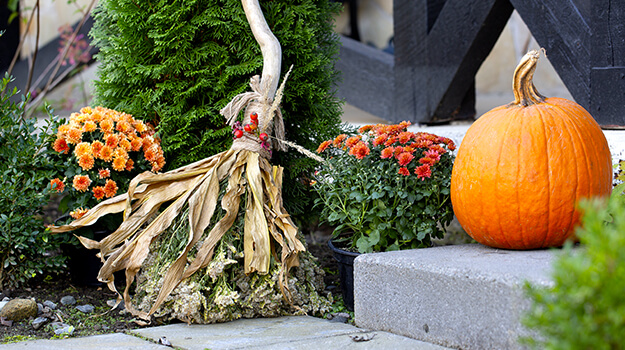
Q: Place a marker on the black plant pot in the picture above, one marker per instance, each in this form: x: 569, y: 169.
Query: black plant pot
x: 345, y: 261
x: 83, y: 263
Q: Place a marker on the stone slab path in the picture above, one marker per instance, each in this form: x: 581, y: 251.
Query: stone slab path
x: 292, y: 332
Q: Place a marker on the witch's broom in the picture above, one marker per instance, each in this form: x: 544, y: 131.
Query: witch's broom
x: 247, y: 170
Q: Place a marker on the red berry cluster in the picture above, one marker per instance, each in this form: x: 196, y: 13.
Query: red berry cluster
x: 250, y: 128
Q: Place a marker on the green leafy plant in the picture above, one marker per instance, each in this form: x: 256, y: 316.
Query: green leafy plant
x: 25, y: 169
x: 385, y: 188
x: 585, y: 308
x: 177, y: 63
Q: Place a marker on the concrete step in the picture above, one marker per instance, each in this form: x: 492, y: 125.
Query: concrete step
x: 464, y: 296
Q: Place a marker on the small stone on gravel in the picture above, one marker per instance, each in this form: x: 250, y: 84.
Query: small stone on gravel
x: 2, y: 303
x: 39, y: 321
x: 112, y: 302
x: 62, y: 328
x: 68, y: 300
x: 86, y: 308
x: 49, y: 304
x: 39, y: 308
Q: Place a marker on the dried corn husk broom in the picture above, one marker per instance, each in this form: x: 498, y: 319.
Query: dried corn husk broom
x: 247, y: 170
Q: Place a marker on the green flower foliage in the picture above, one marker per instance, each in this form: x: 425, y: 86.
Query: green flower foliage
x: 25, y: 169
x: 177, y: 63
x: 585, y: 308
x: 382, y: 191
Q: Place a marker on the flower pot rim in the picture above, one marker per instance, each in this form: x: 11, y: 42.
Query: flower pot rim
x: 344, y: 252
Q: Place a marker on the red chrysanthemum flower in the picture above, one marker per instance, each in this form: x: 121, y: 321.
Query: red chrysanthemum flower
x: 388, y: 152
x: 427, y: 160
x: 104, y: 173
x: 422, y: 143
x: 110, y: 188
x: 398, y: 150
x: 98, y: 192
x: 57, y: 185
x: 61, y: 146
x: 365, y: 128
x: 404, y: 158
x: 323, y: 146
x: 352, y: 141
x: 432, y: 154
x: 424, y: 171
x: 403, y: 171
x: 438, y: 149
x: 380, y: 140
x: 86, y: 162
x: 390, y: 141
x: 404, y: 137
x: 81, y: 182
x: 360, y: 150
x: 130, y: 164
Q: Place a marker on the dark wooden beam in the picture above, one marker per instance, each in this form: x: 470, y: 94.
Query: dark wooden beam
x: 559, y: 28
x: 367, y: 78
x: 435, y: 68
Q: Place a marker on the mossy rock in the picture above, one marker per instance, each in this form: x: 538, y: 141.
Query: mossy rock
x: 19, y: 309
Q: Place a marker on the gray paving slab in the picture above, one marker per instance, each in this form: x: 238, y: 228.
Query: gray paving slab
x: 463, y: 296
x: 116, y: 341
x: 290, y: 332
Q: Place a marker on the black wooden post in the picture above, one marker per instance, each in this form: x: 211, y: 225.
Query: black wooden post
x: 607, y: 72
x: 439, y: 47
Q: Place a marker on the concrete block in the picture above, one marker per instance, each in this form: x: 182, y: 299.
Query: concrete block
x: 463, y: 296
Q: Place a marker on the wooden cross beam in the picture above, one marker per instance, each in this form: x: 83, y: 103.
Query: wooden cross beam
x: 441, y: 44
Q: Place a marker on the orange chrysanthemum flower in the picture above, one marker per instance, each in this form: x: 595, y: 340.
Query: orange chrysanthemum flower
x: 96, y: 115
x: 57, y: 185
x: 106, y: 125
x: 96, y: 147
x: 424, y: 171
x: 63, y: 130
x: 404, y: 158
x: 86, y: 161
x: 61, y: 146
x: 106, y: 153
x: 110, y: 188
x: 404, y: 137
x: 323, y: 146
x: 83, y: 149
x: 422, y: 143
x: 360, y: 150
x: 74, y: 136
x: 104, y: 173
x: 81, y: 182
x: 78, y: 213
x: 136, y: 144
x: 151, y: 153
x: 147, y: 142
x: 86, y: 109
x: 130, y: 164
x: 125, y: 144
x: 338, y: 140
x: 89, y: 126
x: 403, y: 171
x: 119, y: 163
x: 98, y: 192
x: 124, y: 127
x: 398, y: 150
x: 159, y: 164
x: 352, y: 141
x: 112, y: 140
x: 140, y: 127
x: 388, y: 152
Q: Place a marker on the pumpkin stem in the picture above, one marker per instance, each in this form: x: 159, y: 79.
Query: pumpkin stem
x: 525, y: 93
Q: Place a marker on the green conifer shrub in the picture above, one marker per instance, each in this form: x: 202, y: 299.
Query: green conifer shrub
x: 177, y: 63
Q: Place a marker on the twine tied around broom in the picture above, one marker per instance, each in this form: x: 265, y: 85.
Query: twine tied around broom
x: 269, y: 117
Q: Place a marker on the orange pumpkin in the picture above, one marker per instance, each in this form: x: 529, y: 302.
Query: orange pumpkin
x: 521, y: 168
